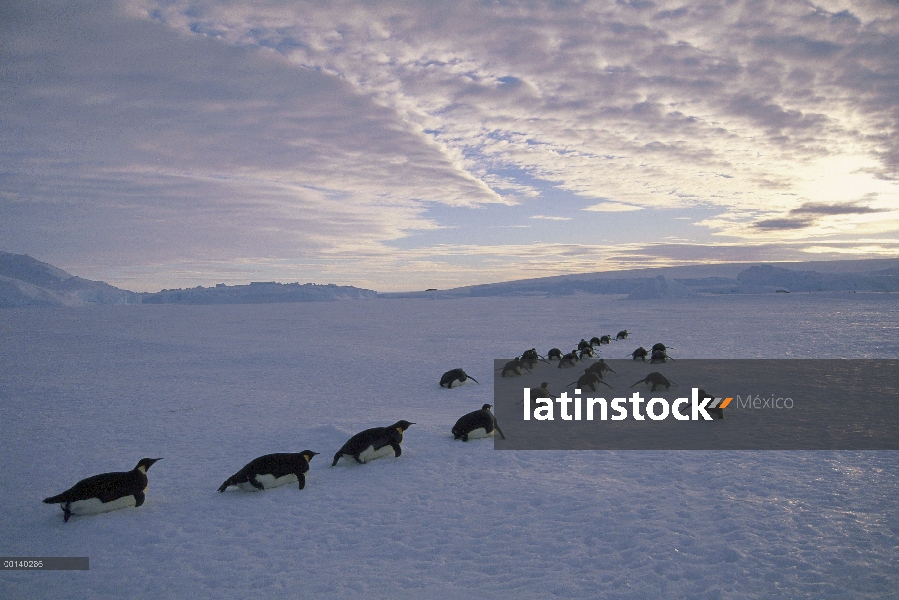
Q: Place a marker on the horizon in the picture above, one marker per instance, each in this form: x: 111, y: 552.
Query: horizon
x: 829, y: 267
x: 400, y: 147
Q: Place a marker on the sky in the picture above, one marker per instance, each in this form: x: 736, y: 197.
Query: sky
x: 408, y: 145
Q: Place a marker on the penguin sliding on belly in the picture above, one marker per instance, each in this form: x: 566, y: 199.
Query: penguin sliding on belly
x: 374, y: 443
x: 477, y: 424
x: 272, y: 470
x: 105, y: 492
x: 457, y: 376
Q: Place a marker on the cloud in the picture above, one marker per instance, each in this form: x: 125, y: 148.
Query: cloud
x: 612, y: 207
x: 849, y: 208
x: 550, y: 218
x: 810, y: 213
x: 151, y: 135
x: 127, y: 142
x: 784, y: 223
x: 584, y: 94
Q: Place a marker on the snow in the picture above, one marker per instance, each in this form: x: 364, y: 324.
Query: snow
x: 658, y: 288
x: 25, y: 281
x: 208, y: 388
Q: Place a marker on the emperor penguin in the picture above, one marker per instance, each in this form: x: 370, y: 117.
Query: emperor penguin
x: 513, y: 366
x: 600, y: 367
x: 105, y: 492
x: 477, y: 424
x: 540, y: 392
x: 589, y: 380
x: 272, y: 470
x: 569, y: 360
x: 457, y: 376
x: 374, y: 443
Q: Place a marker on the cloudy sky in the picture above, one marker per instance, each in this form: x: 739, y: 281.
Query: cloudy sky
x: 398, y: 146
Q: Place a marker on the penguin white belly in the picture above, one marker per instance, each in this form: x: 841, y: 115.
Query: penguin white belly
x: 478, y: 433
x: 93, y: 506
x: 370, y: 454
x: 268, y: 481
x: 457, y: 383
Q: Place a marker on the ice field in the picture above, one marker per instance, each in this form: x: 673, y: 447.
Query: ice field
x: 208, y: 388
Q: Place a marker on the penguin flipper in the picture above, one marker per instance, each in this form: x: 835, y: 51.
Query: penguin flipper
x: 66, y: 513
x: 499, y: 431
x: 302, y: 479
x: 254, y: 483
x: 139, y: 498
x: 396, y: 449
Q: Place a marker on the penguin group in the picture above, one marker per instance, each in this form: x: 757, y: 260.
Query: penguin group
x: 593, y: 375
x: 111, y: 491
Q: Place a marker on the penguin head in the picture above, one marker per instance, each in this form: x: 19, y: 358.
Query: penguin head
x: 486, y: 407
x: 308, y: 454
x: 145, y: 463
x: 402, y: 425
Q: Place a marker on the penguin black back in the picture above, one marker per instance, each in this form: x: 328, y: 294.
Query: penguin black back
x: 272, y: 470
x: 105, y: 492
x: 476, y: 424
x: 455, y: 375
x: 367, y: 445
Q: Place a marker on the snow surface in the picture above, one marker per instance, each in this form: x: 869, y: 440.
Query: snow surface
x: 658, y: 288
x: 208, y: 388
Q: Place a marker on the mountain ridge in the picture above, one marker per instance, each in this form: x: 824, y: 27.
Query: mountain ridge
x: 26, y: 281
